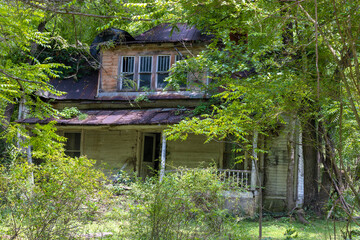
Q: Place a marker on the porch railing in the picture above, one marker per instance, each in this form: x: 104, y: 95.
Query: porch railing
x: 232, y: 178
x: 238, y: 178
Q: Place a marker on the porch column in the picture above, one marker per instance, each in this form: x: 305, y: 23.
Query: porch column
x: 29, y: 158
x: 300, y: 178
x: 253, y: 162
x: 163, y: 156
x: 22, y: 115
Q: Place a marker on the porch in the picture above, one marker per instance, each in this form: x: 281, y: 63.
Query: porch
x: 239, y: 198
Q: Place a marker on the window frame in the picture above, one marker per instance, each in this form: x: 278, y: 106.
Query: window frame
x: 181, y: 57
x: 161, y: 72
x: 139, y: 70
x: 80, y: 143
x: 172, y: 58
x: 122, y: 73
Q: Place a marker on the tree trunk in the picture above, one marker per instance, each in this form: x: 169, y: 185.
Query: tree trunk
x: 290, y: 199
x: 310, y: 165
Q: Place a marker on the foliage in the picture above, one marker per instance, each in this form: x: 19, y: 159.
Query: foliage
x: 66, y: 191
x: 290, y: 234
x: 76, y: 60
x: 122, y: 182
x: 181, y: 206
x: 71, y: 112
x: 8, y: 153
x: 142, y: 98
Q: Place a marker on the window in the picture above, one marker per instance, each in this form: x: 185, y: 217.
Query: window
x: 145, y: 72
x: 162, y: 70
x: 72, y: 146
x: 182, y: 84
x: 127, y: 73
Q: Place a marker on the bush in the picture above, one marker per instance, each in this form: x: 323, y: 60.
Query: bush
x: 121, y: 183
x: 66, y: 191
x: 181, y: 206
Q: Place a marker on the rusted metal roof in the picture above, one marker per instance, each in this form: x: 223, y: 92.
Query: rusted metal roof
x: 84, y: 88
x: 168, y: 33
x: 119, y: 117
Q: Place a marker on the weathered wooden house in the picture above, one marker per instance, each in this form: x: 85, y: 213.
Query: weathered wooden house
x: 124, y: 133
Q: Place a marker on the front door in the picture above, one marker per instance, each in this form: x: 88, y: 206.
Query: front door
x: 150, y: 154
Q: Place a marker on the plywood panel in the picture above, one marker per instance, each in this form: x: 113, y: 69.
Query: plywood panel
x: 193, y: 153
x: 276, y: 164
x: 111, y: 149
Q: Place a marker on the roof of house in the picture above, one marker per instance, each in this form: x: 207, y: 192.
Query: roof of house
x: 82, y: 89
x: 119, y: 117
x: 85, y: 88
x: 173, y: 33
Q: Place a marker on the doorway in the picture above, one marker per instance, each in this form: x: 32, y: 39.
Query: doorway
x: 150, y: 164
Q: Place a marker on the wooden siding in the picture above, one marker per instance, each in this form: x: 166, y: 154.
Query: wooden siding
x: 111, y: 149
x: 276, y: 164
x: 193, y: 153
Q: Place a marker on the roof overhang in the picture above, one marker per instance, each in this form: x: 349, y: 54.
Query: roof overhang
x: 154, y: 116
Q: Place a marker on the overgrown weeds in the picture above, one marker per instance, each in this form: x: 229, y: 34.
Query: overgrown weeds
x: 182, y: 206
x: 51, y: 200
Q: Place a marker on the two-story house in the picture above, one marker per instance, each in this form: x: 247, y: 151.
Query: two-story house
x: 127, y: 108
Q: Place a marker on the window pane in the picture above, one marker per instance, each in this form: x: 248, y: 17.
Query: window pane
x: 73, y: 141
x: 182, y: 84
x: 160, y: 80
x: 145, y: 64
x: 145, y: 81
x: 128, y: 64
x: 178, y: 58
x: 127, y: 73
x: 128, y: 81
x: 163, y: 63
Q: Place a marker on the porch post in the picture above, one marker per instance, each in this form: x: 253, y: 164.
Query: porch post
x: 300, y: 183
x: 22, y: 115
x: 253, y: 162
x: 163, y: 156
x: 29, y: 158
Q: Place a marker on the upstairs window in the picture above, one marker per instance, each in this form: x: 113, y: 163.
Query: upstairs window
x: 182, y: 84
x: 162, y: 70
x: 127, y: 73
x: 145, y: 73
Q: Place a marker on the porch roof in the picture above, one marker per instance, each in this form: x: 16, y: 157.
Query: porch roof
x: 119, y: 117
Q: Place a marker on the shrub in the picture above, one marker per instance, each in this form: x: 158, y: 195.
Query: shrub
x: 181, y: 206
x: 65, y: 192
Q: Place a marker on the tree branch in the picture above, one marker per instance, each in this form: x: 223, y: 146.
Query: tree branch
x: 321, y: 32
x: 19, y: 80
x: 80, y: 13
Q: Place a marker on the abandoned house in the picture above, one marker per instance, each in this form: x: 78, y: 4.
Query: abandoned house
x: 122, y: 133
